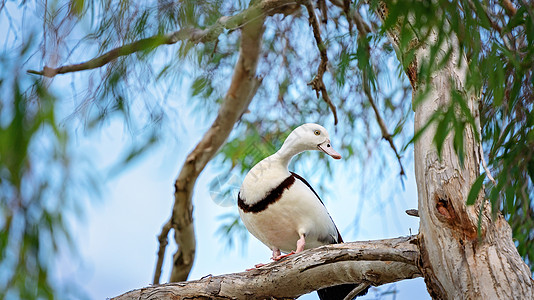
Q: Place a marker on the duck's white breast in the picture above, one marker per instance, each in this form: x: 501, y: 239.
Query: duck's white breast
x: 297, y: 211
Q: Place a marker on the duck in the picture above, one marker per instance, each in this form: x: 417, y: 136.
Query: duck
x: 282, y: 210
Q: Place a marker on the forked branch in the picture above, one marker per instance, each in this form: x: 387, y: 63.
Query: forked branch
x: 317, y: 82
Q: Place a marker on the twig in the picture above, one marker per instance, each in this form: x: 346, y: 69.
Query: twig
x: 509, y: 7
x: 485, y: 165
x: 385, y: 134
x: 354, y: 15
x: 481, y: 150
x: 317, y: 83
x: 162, y: 238
x: 346, y: 10
x: 321, y: 4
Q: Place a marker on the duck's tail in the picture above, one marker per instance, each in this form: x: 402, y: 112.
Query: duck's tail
x: 339, y: 292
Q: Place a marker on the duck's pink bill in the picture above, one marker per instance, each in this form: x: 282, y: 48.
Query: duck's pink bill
x: 327, y: 148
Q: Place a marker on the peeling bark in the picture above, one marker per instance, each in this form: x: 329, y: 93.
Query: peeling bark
x: 374, y: 262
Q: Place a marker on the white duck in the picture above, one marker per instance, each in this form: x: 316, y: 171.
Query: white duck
x: 282, y: 210
x: 279, y: 207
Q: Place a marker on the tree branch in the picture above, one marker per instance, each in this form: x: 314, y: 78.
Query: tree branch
x: 317, y: 83
x: 373, y: 262
x: 510, y: 8
x: 385, y: 134
x: 242, y: 89
x: 162, y: 238
x: 354, y: 15
x: 192, y: 35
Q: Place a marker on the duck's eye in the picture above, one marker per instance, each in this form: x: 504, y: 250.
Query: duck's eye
x: 317, y: 132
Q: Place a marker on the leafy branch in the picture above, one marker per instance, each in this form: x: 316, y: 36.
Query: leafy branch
x: 191, y: 35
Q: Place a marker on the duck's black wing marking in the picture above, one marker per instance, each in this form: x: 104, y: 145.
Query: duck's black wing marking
x: 270, y: 198
x: 339, y: 238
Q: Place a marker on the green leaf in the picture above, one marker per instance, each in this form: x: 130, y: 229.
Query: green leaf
x: 76, y: 7
x: 475, y: 189
x: 422, y: 130
x: 517, y: 20
x: 442, y: 130
x: 198, y: 85
x: 458, y: 140
x: 484, y: 21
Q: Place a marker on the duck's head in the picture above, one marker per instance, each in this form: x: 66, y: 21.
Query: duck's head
x: 311, y: 136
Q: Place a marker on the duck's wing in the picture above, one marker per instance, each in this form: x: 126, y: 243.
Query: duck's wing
x: 297, y: 176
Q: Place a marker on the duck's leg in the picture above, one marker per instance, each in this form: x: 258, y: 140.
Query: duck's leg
x: 300, y: 244
x: 300, y: 247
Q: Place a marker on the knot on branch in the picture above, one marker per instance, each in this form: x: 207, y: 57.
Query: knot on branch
x: 47, y: 71
x: 317, y: 84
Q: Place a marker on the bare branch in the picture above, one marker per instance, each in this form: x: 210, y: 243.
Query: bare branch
x: 412, y: 212
x: 510, y: 8
x: 385, y: 134
x: 191, y: 35
x: 317, y: 82
x: 346, y: 10
x: 372, y: 262
x: 324, y: 10
x: 162, y: 238
x: 354, y: 15
x: 242, y: 89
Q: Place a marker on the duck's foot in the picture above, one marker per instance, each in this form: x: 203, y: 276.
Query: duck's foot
x: 279, y: 257
x: 256, y: 266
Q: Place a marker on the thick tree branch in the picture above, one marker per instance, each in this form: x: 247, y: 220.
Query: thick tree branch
x: 242, y: 89
x: 191, y: 35
x: 373, y: 262
x: 317, y: 82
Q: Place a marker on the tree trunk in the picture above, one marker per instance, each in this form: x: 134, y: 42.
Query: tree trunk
x: 457, y: 261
